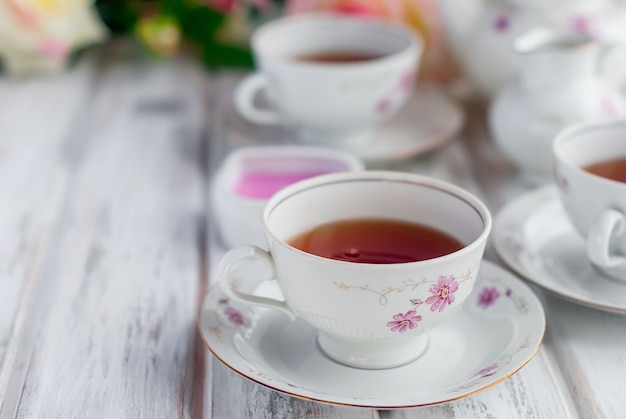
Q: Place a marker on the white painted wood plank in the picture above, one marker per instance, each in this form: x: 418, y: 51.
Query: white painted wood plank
x: 36, y: 119
x: 589, y: 347
x: 120, y: 303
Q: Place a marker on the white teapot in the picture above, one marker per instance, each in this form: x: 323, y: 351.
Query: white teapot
x: 480, y: 32
x: 560, y: 83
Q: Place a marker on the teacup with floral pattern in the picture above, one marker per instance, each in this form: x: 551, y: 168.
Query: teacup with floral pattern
x: 330, y: 101
x: 367, y: 315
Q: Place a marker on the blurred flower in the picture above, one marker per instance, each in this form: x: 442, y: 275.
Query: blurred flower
x: 39, y: 35
x: 160, y: 33
x: 421, y: 16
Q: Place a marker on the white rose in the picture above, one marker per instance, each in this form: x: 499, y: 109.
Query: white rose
x: 39, y: 35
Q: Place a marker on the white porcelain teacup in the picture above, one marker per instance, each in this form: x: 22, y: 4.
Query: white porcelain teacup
x: 330, y: 78
x: 368, y: 315
x: 595, y: 205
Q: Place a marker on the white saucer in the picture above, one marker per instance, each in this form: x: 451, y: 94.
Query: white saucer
x: 482, y: 345
x: 428, y: 120
x: 533, y: 236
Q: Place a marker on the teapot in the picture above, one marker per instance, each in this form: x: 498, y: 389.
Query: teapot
x: 480, y: 32
x: 560, y: 83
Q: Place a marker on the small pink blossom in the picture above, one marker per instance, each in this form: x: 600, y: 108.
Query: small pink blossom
x: 487, y: 371
x: 443, y: 293
x: 407, y: 80
x: 402, y: 322
x: 383, y: 106
x: 234, y: 316
x: 488, y: 296
x: 502, y: 23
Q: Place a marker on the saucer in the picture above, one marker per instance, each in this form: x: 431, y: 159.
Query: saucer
x: 496, y: 332
x: 428, y: 121
x: 534, y: 237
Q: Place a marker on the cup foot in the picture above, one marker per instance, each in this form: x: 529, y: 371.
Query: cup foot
x: 372, y: 355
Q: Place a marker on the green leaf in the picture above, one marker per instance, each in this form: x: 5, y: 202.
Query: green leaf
x: 220, y: 55
x: 199, y: 23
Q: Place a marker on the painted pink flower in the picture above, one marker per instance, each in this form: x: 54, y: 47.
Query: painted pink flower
x: 561, y: 182
x: 402, y: 322
x: 488, y: 296
x: 383, y: 106
x: 443, y: 293
x: 487, y: 371
x: 407, y: 81
x: 234, y: 316
x: 502, y: 23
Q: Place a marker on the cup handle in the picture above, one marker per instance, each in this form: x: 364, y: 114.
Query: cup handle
x: 239, y: 253
x: 244, y: 100
x: 610, y: 223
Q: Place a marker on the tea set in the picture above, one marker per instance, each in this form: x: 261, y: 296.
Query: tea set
x: 568, y: 237
x: 481, y: 33
x: 289, y: 319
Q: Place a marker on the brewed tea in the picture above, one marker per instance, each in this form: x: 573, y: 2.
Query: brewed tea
x: 376, y: 241
x: 337, y: 57
x: 614, y: 169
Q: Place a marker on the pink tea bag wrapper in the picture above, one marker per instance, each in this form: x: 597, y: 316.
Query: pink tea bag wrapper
x: 250, y: 175
x: 262, y: 185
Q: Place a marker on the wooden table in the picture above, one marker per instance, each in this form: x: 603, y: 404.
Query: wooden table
x: 107, y: 251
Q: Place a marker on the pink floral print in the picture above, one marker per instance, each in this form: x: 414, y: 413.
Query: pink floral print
x: 443, y: 293
x: 502, y: 23
x: 488, y: 296
x: 487, y: 371
x: 402, y: 322
x: 234, y: 316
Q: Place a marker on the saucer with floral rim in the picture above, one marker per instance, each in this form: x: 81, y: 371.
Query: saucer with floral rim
x: 428, y: 121
x: 533, y: 236
x: 497, y: 331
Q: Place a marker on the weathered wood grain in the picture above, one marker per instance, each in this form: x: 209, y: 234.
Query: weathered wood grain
x: 36, y: 122
x: 588, y: 348
x: 121, y: 281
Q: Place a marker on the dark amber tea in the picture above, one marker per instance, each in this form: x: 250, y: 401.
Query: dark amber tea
x: 337, y: 57
x: 376, y: 241
x: 614, y: 169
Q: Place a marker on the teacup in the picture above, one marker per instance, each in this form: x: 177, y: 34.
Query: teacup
x: 595, y: 204
x: 368, y: 314
x: 330, y: 78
